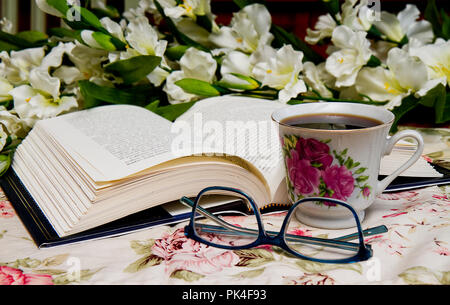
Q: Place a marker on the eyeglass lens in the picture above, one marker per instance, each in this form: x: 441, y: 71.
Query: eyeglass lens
x: 226, y: 230
x: 316, y: 248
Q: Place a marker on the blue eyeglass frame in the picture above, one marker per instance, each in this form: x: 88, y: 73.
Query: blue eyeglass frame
x: 278, y: 239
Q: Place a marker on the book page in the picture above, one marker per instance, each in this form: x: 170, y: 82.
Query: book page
x: 233, y: 126
x: 113, y: 142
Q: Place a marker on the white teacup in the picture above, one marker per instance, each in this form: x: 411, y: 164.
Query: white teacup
x: 340, y: 164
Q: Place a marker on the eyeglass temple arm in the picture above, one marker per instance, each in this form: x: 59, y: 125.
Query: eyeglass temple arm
x: 368, y: 232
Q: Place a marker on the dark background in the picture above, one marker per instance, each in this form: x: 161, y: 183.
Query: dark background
x: 293, y: 15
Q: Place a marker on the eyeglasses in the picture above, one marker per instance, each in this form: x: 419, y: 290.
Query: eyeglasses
x: 209, y: 228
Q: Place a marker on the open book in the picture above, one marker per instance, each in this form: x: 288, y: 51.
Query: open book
x: 92, y: 167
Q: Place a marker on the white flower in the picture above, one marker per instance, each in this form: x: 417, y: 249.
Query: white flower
x: 3, y: 139
x: 190, y: 8
x: 88, y: 61
x: 5, y: 87
x: 404, y: 24
x: 405, y: 75
x: 41, y: 99
x: 194, y: 64
x: 6, y: 25
x: 282, y: 72
x: 250, y: 28
x: 324, y: 28
x: 354, y: 14
x: 143, y: 39
x: 357, y: 15
x: 13, y: 124
x: 17, y: 66
x: 314, y: 77
x: 114, y: 28
x: 55, y: 57
x: 236, y: 62
x: 142, y: 8
x: 354, y: 52
x: 437, y: 58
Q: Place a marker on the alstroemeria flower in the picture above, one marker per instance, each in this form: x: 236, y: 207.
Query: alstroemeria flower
x: 354, y: 13
x: 13, y: 124
x: 249, y: 28
x: 189, y: 8
x: 281, y: 72
x: 405, y: 75
x: 315, y: 78
x: 17, y: 66
x: 88, y: 62
x: 194, y: 64
x: 354, y: 52
x: 141, y: 39
x: 437, y: 58
x: 323, y: 29
x: 5, y: 87
x: 41, y: 99
x: 404, y: 24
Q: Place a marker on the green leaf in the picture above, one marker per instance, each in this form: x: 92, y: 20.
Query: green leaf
x: 95, y: 95
x: 144, y: 262
x: 89, y: 18
x: 437, y: 98
x: 15, y: 41
x: 197, y: 87
x: 204, y: 22
x: 445, y: 25
x: 175, y: 53
x: 408, y: 103
x: 362, y: 178
x: 373, y: 62
x: 33, y: 37
x: 186, y: 275
x: 109, y: 11
x: 63, y: 32
x: 250, y: 273
x: 431, y: 14
x: 181, y: 38
x: 105, y: 41
x: 241, y: 83
x: 60, y: 5
x: 253, y: 257
x: 8, y: 47
x: 5, y: 163
x: 153, y: 106
x: 332, y: 7
x: 172, y: 112
x: 133, y: 69
x: 360, y: 170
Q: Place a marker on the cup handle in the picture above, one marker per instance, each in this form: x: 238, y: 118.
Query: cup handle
x: 383, y: 184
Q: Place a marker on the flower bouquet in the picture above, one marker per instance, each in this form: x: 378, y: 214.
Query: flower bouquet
x: 165, y: 55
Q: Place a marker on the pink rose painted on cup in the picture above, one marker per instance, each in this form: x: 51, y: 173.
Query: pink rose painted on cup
x: 316, y: 152
x: 304, y: 177
x: 340, y: 181
x: 13, y: 276
x: 314, y: 169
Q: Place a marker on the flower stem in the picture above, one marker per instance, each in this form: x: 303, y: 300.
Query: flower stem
x: 303, y: 99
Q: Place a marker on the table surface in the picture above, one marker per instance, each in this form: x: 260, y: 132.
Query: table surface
x: 415, y: 250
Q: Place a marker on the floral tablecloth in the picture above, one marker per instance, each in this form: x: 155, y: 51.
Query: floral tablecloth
x: 415, y: 250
